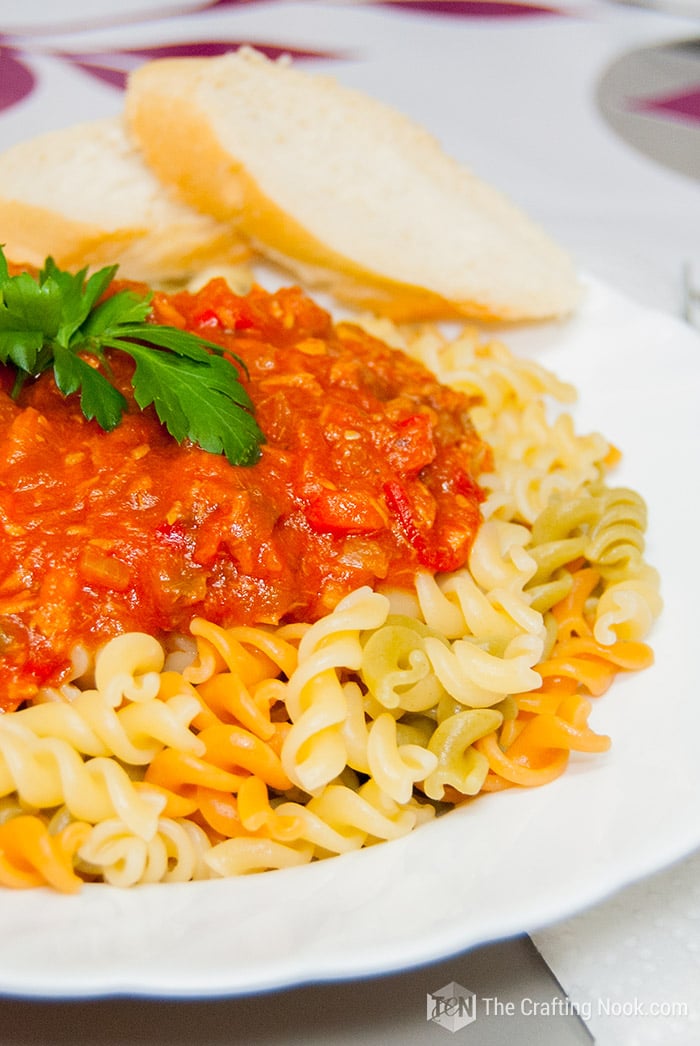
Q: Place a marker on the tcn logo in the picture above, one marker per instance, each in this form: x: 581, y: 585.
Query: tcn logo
x: 452, y: 1007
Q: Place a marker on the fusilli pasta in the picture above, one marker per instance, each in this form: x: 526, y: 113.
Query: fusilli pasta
x: 238, y: 750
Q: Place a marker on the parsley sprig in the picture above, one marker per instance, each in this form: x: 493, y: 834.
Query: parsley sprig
x: 60, y: 320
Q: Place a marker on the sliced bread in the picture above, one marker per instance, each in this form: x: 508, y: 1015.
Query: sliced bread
x: 345, y: 191
x: 84, y: 195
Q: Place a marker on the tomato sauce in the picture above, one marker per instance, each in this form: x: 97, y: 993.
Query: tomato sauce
x: 369, y: 471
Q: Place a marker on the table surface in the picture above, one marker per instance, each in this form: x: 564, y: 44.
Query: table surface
x: 624, y: 136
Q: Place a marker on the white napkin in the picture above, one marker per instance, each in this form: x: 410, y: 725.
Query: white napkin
x: 632, y: 964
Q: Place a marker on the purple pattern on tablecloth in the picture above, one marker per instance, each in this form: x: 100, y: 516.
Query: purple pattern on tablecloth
x: 214, y: 4
x: 680, y: 105
x: 113, y: 68
x: 650, y: 97
x: 469, y: 8
x: 456, y: 8
x: 16, y: 79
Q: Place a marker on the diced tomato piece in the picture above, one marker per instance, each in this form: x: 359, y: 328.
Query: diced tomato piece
x: 414, y: 447
x: 341, y: 512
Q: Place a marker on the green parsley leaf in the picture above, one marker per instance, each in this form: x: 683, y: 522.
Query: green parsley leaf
x: 60, y: 320
x: 116, y: 313
x: 78, y: 295
x: 98, y: 398
x: 192, y: 408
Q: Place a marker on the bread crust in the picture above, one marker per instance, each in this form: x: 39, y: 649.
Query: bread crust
x: 48, y: 184
x: 184, y: 145
x: 208, y: 179
x: 173, y: 190
x: 27, y: 231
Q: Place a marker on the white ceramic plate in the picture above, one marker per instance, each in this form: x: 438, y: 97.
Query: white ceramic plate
x: 509, y: 862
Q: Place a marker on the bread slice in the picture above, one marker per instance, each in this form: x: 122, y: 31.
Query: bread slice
x: 84, y: 195
x: 345, y: 191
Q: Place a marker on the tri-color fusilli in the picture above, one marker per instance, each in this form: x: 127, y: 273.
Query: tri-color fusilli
x: 239, y: 750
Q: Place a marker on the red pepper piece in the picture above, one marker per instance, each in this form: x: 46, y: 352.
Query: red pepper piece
x: 400, y: 506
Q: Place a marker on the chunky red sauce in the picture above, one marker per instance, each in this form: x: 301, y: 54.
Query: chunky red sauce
x: 368, y: 471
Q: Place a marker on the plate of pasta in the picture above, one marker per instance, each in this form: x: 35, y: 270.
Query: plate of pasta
x: 416, y: 771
